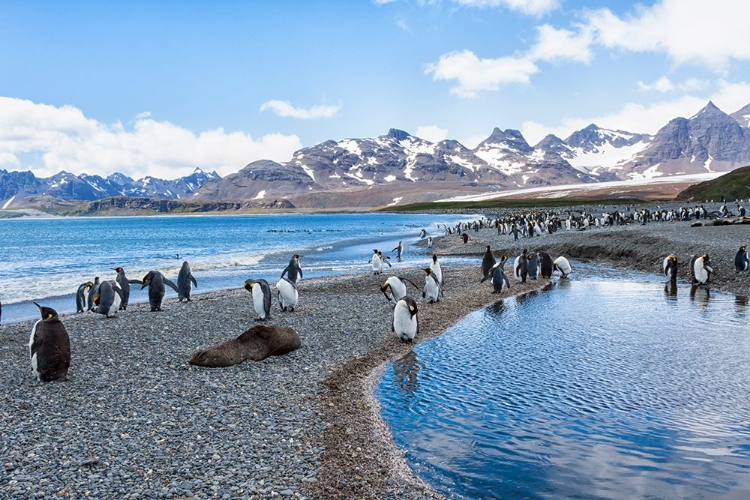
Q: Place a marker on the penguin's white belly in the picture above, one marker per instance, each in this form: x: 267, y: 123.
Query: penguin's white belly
x: 115, y: 305
x: 377, y: 265
x: 34, y: 366
x: 701, y: 272
x: 516, y: 266
x: 404, y: 324
x: 260, y: 310
x: 437, y: 271
x: 431, y: 290
x: 288, y: 295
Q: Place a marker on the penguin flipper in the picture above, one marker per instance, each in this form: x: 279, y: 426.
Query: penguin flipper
x: 389, y: 264
x: 409, y: 281
x: 195, y: 283
x: 168, y: 282
x: 135, y: 282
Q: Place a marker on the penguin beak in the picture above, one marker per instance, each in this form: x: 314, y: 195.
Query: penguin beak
x: 40, y: 307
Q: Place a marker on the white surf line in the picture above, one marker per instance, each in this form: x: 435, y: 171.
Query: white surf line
x: 585, y: 187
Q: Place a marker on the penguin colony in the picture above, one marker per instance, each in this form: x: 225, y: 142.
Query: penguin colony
x: 50, y: 346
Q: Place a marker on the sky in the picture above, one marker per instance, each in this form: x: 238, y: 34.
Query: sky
x: 162, y: 87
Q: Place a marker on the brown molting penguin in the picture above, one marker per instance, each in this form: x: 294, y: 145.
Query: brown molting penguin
x: 256, y: 344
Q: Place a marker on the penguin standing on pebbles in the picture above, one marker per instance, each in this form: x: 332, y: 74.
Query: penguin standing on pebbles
x: 124, y: 284
x: 394, y: 288
x: 185, y: 282
x: 499, y: 278
x: 92, y: 292
x: 702, y: 269
x: 293, y: 270
x: 261, y: 293
x: 545, y: 265
x: 521, y: 266
x: 49, y: 347
x: 533, y: 265
x: 431, y: 290
x: 109, y: 299
x: 741, y: 261
x: 437, y: 269
x: 287, y: 294
x: 405, y: 322
x: 155, y: 282
x: 488, y: 261
x: 670, y: 267
x: 81, y: 296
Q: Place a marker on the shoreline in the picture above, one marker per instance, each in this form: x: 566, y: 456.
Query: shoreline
x: 303, y: 425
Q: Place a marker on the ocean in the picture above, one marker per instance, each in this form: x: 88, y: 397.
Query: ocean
x: 44, y: 260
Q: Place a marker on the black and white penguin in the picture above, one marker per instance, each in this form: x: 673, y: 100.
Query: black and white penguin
x: 533, y: 264
x: 431, y: 290
x: 293, y: 270
x: 422, y: 233
x: 81, y: 296
x: 400, y: 249
x: 405, y: 322
x: 185, y: 282
x: 670, y: 267
x: 429, y: 242
x: 376, y: 262
x: 488, y: 261
x: 109, y: 298
x: 261, y: 294
x: 287, y: 294
x: 562, y: 265
x: 499, y: 278
x: 49, y: 347
x: 521, y: 267
x: 393, y: 288
x: 741, y: 261
x: 92, y: 293
x: 384, y: 259
x: 124, y: 284
x: 702, y: 269
x: 155, y: 282
x: 437, y: 269
x: 546, y: 267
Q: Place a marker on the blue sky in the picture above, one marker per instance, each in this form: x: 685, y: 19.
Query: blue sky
x: 160, y: 87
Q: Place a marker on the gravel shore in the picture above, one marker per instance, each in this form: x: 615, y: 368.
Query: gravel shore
x: 136, y: 421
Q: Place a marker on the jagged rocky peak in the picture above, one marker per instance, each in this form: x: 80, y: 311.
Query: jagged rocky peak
x: 510, y: 139
x: 709, y: 109
x: 742, y: 116
x: 551, y: 143
x: 397, y: 134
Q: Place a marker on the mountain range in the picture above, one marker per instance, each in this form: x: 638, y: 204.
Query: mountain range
x: 398, y: 167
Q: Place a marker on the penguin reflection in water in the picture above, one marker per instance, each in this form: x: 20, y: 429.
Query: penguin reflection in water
x: 405, y: 322
x: 49, y: 347
x: 155, y: 282
x: 261, y: 294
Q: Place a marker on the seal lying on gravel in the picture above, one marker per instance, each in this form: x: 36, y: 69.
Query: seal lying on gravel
x: 257, y: 343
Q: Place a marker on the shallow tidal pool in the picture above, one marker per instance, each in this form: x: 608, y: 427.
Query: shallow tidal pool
x: 608, y: 385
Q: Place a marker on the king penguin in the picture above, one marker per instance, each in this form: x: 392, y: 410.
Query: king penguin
x: 431, y: 290
x: 533, y: 265
x: 49, y: 347
x: 405, y: 322
x: 81, y: 296
x: 702, y: 269
x: 109, y: 298
x: 545, y: 265
x: 521, y: 266
x: 394, y: 288
x: 293, y: 270
x: 377, y: 262
x: 669, y: 265
x: 287, y: 294
x: 499, y: 278
x: 92, y: 292
x: 437, y: 269
x: 155, y: 282
x: 261, y: 294
x: 488, y: 260
x: 561, y: 264
x: 185, y: 282
x: 400, y: 249
x: 740, y: 260
x: 124, y: 284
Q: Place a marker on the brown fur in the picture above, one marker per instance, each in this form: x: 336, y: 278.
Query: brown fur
x: 256, y: 344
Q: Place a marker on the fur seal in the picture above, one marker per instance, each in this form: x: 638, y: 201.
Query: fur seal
x: 256, y: 344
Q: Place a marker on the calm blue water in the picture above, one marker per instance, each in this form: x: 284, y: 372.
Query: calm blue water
x: 45, y: 260
x: 606, y: 386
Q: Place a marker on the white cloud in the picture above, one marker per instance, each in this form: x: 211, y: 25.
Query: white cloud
x: 639, y: 118
x: 560, y: 44
x: 708, y: 33
x: 531, y: 7
x: 382, y: 2
x: 473, y: 140
x: 287, y: 110
x: 664, y: 84
x: 65, y: 139
x: 475, y: 74
x: 401, y: 23
x: 432, y: 133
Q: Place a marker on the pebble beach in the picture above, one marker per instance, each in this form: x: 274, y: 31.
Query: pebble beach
x: 135, y: 420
